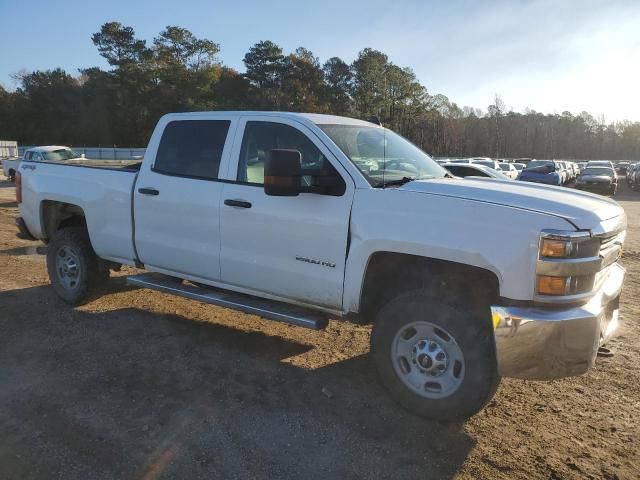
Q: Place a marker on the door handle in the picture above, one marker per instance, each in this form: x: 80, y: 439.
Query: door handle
x: 237, y: 203
x: 149, y: 191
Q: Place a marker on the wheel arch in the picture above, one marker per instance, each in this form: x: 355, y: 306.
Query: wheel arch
x: 389, y: 273
x: 55, y: 215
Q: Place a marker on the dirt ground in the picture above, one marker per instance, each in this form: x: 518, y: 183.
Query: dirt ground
x: 139, y: 384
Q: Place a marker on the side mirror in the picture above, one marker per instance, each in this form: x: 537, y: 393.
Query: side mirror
x: 282, y: 173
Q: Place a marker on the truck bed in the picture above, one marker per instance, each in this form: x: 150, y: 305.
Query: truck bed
x: 102, y: 189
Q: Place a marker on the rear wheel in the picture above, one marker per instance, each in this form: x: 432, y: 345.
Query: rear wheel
x: 74, y: 269
x: 436, y: 357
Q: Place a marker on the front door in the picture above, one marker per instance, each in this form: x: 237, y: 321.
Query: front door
x: 290, y: 247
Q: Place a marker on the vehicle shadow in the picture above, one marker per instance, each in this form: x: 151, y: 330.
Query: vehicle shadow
x: 129, y: 392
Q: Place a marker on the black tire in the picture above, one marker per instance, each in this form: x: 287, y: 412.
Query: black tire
x: 471, y: 329
x: 91, y: 271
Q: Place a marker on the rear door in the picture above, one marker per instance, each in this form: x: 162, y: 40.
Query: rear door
x: 177, y: 198
x: 289, y: 247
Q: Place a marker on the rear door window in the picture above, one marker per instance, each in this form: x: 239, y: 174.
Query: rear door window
x: 192, y: 148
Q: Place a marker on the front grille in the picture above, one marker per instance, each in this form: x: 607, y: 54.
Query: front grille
x: 611, y: 248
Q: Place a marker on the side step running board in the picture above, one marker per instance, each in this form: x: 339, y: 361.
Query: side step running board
x: 273, y: 310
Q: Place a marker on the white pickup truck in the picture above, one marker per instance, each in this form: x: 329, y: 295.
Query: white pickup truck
x: 302, y: 217
x: 50, y: 153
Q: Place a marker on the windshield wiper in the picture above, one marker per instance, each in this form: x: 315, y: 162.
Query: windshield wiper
x: 401, y: 181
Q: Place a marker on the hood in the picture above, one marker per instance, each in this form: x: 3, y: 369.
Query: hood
x: 584, y: 210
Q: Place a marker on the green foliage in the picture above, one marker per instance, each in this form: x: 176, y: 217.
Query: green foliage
x: 181, y: 72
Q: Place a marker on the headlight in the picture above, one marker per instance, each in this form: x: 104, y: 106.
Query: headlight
x: 559, y: 244
x: 567, y: 263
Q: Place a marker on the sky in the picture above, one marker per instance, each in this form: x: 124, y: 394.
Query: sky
x: 545, y: 55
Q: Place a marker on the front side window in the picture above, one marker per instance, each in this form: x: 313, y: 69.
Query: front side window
x: 262, y: 137
x: 192, y: 148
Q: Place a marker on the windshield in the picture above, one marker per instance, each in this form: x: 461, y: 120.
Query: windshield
x: 538, y: 164
x: 597, y: 171
x: 58, y: 155
x: 382, y: 155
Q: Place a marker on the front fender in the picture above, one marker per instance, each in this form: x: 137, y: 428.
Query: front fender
x: 501, y: 239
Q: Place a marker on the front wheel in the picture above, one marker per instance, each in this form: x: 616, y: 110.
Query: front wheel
x: 75, y: 271
x: 436, y: 358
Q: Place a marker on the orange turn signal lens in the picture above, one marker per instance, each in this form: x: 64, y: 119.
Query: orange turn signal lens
x: 554, y: 248
x: 553, y: 285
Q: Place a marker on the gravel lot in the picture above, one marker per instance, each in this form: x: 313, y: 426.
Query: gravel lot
x: 139, y: 384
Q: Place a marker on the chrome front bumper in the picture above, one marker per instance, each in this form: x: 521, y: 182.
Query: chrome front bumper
x: 545, y: 343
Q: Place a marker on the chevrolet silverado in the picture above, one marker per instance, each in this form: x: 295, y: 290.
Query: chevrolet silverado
x: 304, y: 217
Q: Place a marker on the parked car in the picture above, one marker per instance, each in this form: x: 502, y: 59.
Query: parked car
x: 565, y: 171
x: 509, y: 170
x: 300, y: 218
x: 543, y: 171
x: 598, y: 180
x: 622, y: 167
x: 474, y: 170
x: 51, y: 153
x: 630, y: 172
x: 576, y: 170
x: 633, y: 176
x: 600, y: 163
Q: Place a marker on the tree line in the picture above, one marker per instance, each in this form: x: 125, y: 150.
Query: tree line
x: 179, y: 72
